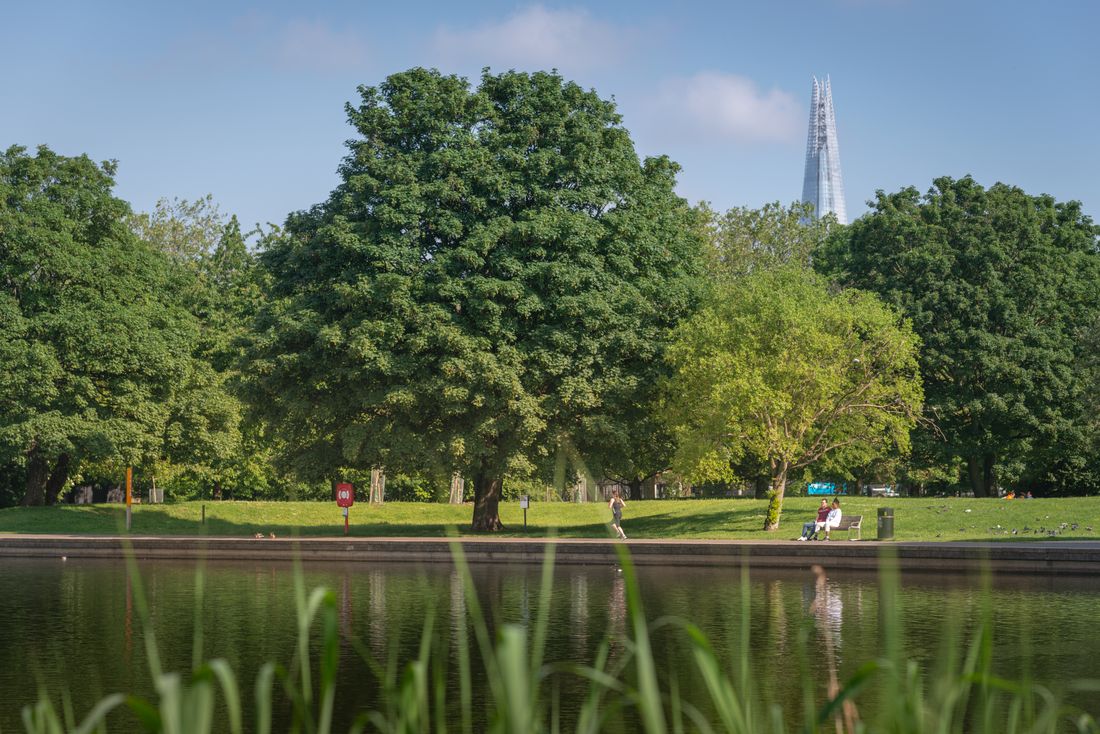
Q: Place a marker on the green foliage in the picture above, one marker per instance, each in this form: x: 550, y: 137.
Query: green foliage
x: 777, y: 367
x: 95, y: 345
x: 209, y: 450
x: 186, y: 231
x: 533, y: 487
x: 1002, y: 288
x: 12, y: 483
x: 745, y: 240
x: 414, y: 488
x: 495, y: 275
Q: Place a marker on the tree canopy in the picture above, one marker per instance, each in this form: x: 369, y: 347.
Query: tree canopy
x: 1002, y: 288
x: 743, y: 240
x: 778, y: 367
x: 495, y: 274
x: 95, y: 347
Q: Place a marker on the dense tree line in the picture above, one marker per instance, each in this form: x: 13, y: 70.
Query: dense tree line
x: 500, y: 286
x: 1004, y: 290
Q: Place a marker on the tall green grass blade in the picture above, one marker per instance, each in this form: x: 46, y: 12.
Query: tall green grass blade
x: 848, y: 691
x: 228, y: 681
x: 67, y: 712
x: 649, y: 693
x: 588, y: 719
x: 719, y: 686
x: 542, y: 619
x: 323, y: 602
x: 265, y: 683
x: 197, y: 707
x: 40, y: 718
x: 98, y: 715
x: 515, y: 672
x: 170, y: 690
x: 481, y: 630
x: 145, y: 712
x: 304, y: 618
x: 133, y: 579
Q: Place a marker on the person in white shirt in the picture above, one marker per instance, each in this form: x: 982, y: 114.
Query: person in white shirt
x: 831, y: 521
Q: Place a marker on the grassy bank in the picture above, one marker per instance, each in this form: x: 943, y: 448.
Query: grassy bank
x: 928, y: 519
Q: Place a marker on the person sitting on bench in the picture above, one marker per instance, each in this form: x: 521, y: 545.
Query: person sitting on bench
x: 808, y: 528
x: 831, y: 521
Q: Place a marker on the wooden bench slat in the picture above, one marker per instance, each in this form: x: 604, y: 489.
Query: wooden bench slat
x: 848, y: 523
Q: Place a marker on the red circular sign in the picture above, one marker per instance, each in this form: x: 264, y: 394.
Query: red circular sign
x: 345, y: 495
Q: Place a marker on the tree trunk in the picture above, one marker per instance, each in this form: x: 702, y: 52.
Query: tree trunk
x: 38, y: 472
x: 58, y: 477
x: 775, y: 506
x: 487, y: 488
x: 981, y: 469
x: 635, y: 486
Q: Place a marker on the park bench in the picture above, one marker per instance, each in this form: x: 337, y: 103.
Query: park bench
x: 848, y: 523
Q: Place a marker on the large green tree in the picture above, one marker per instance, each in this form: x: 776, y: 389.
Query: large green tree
x: 742, y: 241
x: 1002, y: 288
x: 779, y: 367
x: 94, y: 346
x: 496, y: 270
x: 208, y: 447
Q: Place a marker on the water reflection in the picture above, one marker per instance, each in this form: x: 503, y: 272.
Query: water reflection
x: 376, y: 613
x: 828, y: 609
x: 77, y: 622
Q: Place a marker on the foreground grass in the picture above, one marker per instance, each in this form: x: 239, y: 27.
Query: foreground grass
x: 923, y: 519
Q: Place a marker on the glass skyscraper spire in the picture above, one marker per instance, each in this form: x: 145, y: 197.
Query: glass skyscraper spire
x: 822, y: 185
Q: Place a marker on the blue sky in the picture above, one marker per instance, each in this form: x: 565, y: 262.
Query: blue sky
x: 246, y: 101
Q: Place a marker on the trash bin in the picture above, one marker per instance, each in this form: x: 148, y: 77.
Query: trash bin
x: 886, y: 523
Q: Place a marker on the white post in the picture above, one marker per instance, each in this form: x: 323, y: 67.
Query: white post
x: 377, y: 485
x: 458, y: 488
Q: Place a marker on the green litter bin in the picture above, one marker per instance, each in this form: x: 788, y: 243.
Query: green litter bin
x: 886, y: 523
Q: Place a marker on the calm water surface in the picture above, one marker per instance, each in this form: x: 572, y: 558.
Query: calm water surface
x: 73, y: 625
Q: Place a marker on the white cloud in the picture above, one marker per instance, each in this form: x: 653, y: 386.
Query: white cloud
x: 727, y: 107
x: 315, y: 45
x: 536, y: 37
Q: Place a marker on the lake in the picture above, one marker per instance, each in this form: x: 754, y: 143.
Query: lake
x: 73, y: 625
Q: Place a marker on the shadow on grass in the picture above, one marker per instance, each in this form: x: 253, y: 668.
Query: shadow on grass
x: 111, y: 520
x: 735, y: 520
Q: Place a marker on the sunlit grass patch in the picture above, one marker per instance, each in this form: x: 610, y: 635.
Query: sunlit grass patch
x: 917, y: 519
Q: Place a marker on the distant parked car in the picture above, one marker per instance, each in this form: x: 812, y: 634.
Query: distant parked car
x: 882, y: 490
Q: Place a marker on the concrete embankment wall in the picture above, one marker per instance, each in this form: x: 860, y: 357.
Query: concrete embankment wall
x: 1081, y: 558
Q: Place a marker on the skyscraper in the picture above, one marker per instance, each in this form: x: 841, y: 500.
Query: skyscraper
x: 822, y: 185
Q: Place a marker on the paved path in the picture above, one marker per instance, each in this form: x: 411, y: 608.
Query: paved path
x: 1037, y: 557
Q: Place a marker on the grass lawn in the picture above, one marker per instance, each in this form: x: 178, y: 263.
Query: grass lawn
x: 915, y: 519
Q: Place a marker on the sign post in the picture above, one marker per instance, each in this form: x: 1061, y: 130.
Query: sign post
x: 524, y: 502
x: 345, y: 498
x: 129, y: 495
